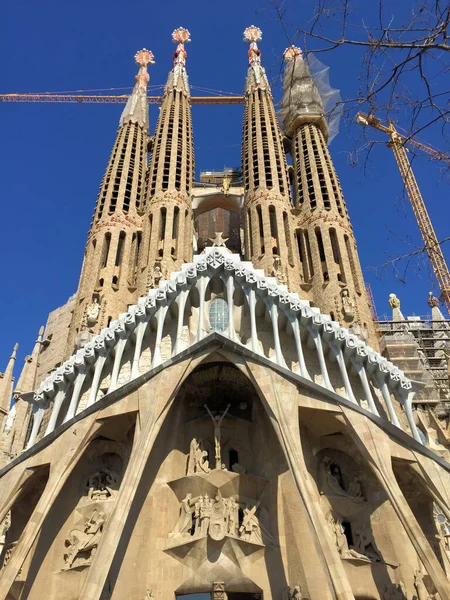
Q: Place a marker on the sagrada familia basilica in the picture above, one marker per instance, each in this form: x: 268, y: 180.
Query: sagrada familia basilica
x: 214, y: 420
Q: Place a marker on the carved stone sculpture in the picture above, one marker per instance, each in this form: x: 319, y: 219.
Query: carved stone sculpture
x: 197, y: 462
x: 250, y: 529
x: 335, y: 484
x: 184, y: 522
x: 101, y: 485
x: 365, y: 544
x: 82, y: 544
x: 157, y: 276
x: 296, y: 593
x: 218, y: 518
x: 422, y: 593
x: 433, y: 302
x: 348, y: 306
x: 149, y: 595
x: 93, y: 312
x: 394, y: 302
x: 342, y: 542
x: 355, y: 489
x: 4, y: 528
x: 217, y: 422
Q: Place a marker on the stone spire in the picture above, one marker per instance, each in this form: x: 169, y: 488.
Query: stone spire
x: 168, y: 234
x: 108, y: 278
x: 6, y: 385
x: 330, y: 270
x: 269, y: 235
x: 136, y: 109
x: 27, y: 378
x: 18, y: 419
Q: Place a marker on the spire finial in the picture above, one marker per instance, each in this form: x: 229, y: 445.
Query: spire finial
x: 136, y: 110
x: 180, y: 36
x: 252, y: 35
x: 256, y: 78
x: 291, y: 53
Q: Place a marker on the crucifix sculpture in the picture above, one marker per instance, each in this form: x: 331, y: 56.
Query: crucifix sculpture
x: 217, y: 422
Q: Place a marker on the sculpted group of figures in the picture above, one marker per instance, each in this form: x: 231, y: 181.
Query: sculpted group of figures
x: 364, y: 547
x: 202, y: 516
x: 335, y: 482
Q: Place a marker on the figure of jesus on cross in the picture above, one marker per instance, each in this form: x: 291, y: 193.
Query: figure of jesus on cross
x: 217, y: 422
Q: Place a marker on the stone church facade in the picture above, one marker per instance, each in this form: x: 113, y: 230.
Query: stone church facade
x: 218, y: 422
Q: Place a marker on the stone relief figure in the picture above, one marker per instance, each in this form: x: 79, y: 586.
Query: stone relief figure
x: 348, y: 306
x: 250, y: 530
x: 205, y: 514
x: 394, y: 302
x: 4, y: 528
x: 82, y: 544
x: 232, y: 517
x: 365, y: 544
x: 197, y: 462
x: 335, y: 483
x: 296, y: 593
x: 218, y: 525
x: 101, y: 485
x: 157, y: 276
x: 217, y: 422
x: 278, y: 272
x: 355, y: 489
x: 184, y: 522
x: 342, y: 543
x: 422, y: 593
x: 93, y: 311
x: 432, y: 301
x: 149, y: 595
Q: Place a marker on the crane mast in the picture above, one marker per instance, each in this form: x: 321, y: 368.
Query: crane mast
x: 397, y: 143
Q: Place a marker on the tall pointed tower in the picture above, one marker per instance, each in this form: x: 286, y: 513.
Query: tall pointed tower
x: 168, y: 220
x: 6, y: 385
x: 108, y: 277
x: 268, y: 232
x: 330, y: 269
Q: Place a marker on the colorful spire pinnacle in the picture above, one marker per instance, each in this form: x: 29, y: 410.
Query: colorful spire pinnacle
x: 180, y: 36
x: 136, y: 109
x: 291, y: 53
x: 256, y: 78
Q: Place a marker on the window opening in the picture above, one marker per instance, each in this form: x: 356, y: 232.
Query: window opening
x: 218, y: 314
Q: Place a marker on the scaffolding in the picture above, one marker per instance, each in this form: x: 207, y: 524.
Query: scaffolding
x: 420, y: 347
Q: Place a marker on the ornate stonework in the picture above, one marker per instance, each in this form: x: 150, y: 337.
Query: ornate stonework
x: 222, y: 427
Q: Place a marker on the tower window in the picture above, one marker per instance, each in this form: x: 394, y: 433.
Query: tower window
x: 321, y: 249
x: 336, y: 254
x: 162, y: 224
x: 105, y: 252
x: 288, y: 238
x: 218, y: 314
x: 250, y: 233
x: 351, y: 260
x: 119, y: 252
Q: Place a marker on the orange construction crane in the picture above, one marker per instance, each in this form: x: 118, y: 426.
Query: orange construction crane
x: 397, y: 143
x: 86, y: 99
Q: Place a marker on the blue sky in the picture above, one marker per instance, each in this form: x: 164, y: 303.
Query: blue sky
x: 53, y: 156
